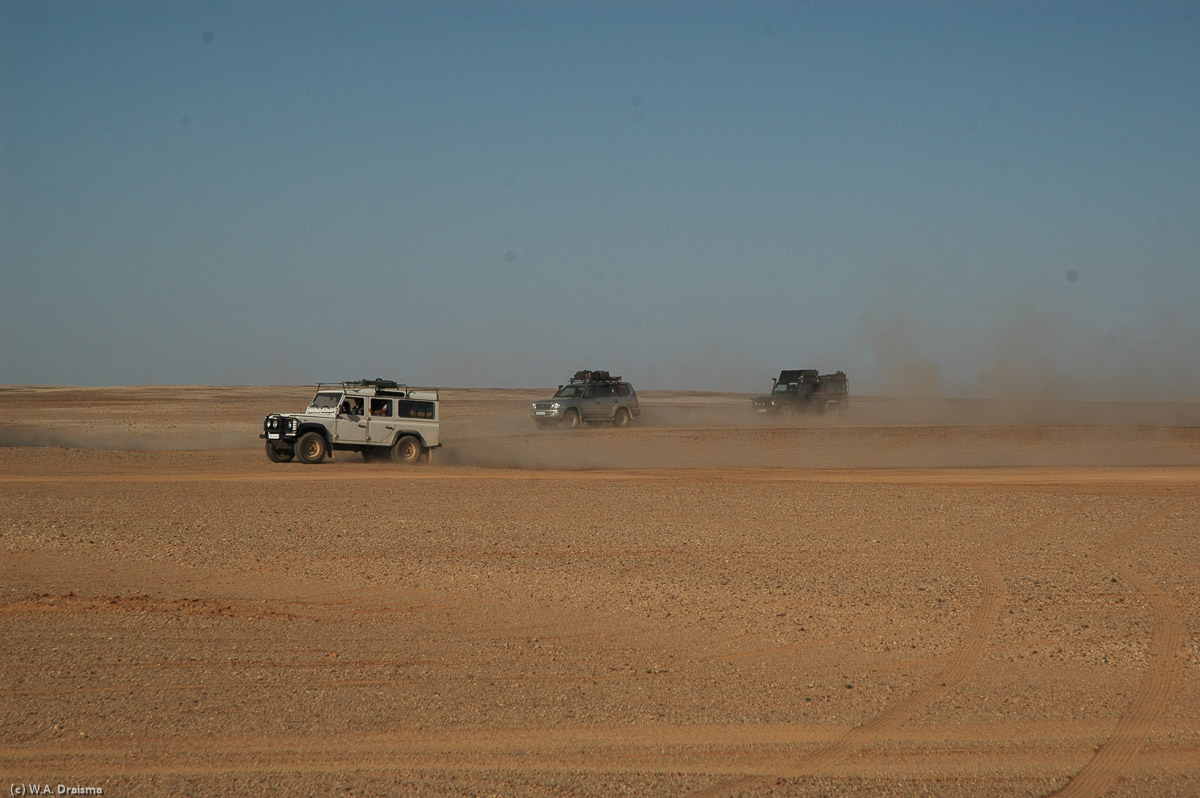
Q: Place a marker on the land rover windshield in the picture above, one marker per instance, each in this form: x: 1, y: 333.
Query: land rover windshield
x: 326, y: 400
x: 570, y: 392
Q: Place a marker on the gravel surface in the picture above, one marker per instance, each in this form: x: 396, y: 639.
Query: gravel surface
x: 957, y: 600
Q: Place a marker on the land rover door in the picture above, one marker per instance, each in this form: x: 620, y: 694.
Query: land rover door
x: 381, y: 421
x: 350, y: 426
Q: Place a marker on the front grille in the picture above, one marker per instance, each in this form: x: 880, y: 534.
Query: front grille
x: 279, y: 425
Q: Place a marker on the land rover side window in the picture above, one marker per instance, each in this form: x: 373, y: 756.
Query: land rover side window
x: 326, y: 401
x: 381, y: 407
x: 623, y: 389
x: 413, y: 409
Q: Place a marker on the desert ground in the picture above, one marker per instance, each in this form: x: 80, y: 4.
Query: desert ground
x: 952, y: 598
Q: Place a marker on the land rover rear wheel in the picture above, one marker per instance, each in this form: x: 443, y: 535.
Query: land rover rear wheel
x: 407, y: 450
x: 277, y: 455
x: 310, y: 448
x: 571, y: 419
x: 621, y: 418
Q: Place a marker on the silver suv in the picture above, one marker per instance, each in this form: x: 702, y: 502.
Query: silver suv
x: 380, y: 419
x: 590, y: 397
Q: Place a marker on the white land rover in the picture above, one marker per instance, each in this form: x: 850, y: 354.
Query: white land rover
x: 380, y: 419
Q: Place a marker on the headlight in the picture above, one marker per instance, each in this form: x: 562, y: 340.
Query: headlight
x: 556, y: 405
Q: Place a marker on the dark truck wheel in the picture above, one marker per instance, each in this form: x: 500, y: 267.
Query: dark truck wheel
x: 570, y: 419
x: 310, y: 448
x: 279, y: 455
x: 621, y: 418
x: 407, y: 450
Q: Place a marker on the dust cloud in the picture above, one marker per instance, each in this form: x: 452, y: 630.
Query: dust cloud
x: 492, y: 428
x: 1020, y: 351
x: 11, y: 436
x: 697, y: 430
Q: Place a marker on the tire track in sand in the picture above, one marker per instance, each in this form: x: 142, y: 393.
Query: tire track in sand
x: 1157, y: 684
x: 983, y: 623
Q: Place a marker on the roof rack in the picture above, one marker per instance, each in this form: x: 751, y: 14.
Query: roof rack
x: 376, y: 383
x: 383, y: 387
x: 594, y: 375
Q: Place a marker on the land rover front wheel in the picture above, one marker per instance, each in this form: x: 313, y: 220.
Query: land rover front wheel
x: 621, y: 418
x: 571, y: 419
x: 407, y: 450
x: 311, y: 448
x: 278, y: 455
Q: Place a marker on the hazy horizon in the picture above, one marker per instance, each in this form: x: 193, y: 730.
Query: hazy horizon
x: 976, y: 199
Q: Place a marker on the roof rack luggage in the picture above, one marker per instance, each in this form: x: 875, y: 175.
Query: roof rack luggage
x: 594, y: 375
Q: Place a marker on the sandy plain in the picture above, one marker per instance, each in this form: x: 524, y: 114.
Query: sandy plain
x: 940, y: 598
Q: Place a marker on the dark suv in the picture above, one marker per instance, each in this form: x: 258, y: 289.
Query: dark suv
x: 590, y: 397
x: 801, y: 390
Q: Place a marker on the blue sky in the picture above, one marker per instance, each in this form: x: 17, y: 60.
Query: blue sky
x: 938, y: 198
